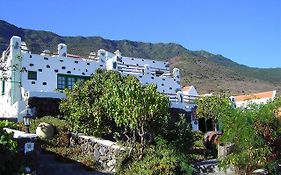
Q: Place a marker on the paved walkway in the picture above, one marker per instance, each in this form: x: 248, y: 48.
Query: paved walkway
x: 48, y: 165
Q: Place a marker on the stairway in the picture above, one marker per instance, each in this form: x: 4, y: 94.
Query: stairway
x: 210, y: 167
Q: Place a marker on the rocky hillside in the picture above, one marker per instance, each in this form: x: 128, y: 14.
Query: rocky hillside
x: 207, y: 71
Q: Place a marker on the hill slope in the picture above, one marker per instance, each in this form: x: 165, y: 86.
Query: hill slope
x: 208, y: 72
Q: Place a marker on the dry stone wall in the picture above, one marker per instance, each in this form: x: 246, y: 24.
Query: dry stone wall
x: 102, y: 151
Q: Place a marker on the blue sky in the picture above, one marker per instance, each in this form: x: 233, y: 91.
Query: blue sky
x: 246, y: 31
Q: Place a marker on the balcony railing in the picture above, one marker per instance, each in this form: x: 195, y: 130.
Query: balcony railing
x: 189, y: 99
x: 129, y: 68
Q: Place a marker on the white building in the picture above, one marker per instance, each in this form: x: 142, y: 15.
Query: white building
x: 37, y: 80
x: 190, y: 94
x: 256, y: 98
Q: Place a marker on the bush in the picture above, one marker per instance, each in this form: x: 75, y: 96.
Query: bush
x: 110, y: 104
x: 198, y: 139
x: 61, y: 129
x: 177, y: 132
x: 160, y: 159
x: 10, y: 162
x: 59, y: 144
x: 256, y: 135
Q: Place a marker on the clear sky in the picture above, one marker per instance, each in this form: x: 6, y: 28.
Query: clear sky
x: 246, y: 31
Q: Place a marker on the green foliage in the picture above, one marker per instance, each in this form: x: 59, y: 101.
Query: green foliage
x: 9, y: 159
x: 116, y: 105
x: 163, y: 158
x: 110, y: 103
x: 59, y: 144
x: 75, y: 154
x: 198, y: 139
x: 83, y: 108
x: 61, y: 128
x: 178, y: 133
x: 213, y: 107
x: 255, y: 133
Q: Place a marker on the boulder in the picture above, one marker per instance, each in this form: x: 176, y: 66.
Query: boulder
x: 45, y: 131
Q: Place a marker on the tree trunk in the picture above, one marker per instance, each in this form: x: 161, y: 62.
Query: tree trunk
x: 214, y: 125
x: 142, y: 139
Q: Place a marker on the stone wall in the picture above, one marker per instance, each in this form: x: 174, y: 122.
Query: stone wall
x: 102, y: 151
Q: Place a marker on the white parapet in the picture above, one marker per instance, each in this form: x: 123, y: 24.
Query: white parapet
x: 62, y: 50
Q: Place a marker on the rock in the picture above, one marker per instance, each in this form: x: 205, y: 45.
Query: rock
x: 111, y: 163
x: 96, y: 154
x: 45, y: 131
x: 103, y: 158
x: 73, y: 141
x: 84, y: 147
x: 260, y: 172
x: 96, y: 146
x: 103, y: 150
x: 111, y: 169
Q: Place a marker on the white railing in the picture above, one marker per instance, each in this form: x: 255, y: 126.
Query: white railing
x: 189, y: 99
x: 6, y: 54
x: 129, y: 68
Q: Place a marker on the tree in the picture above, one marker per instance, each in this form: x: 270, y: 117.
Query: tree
x: 114, y: 106
x: 256, y: 135
x: 111, y: 103
x: 213, y: 107
x: 83, y: 108
x: 135, y: 107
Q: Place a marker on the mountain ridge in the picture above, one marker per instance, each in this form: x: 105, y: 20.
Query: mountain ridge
x: 208, y: 72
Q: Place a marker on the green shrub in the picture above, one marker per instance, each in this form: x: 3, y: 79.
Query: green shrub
x: 198, y: 139
x: 59, y: 144
x: 178, y: 133
x: 161, y: 159
x: 10, y: 162
x: 61, y: 129
x: 74, y: 154
x: 110, y: 104
x: 256, y: 135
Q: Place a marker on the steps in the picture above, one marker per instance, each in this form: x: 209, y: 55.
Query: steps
x: 210, y: 167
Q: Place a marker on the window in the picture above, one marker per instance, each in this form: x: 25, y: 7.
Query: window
x: 3, y: 87
x: 32, y: 75
x: 67, y: 81
x: 61, y: 82
x: 114, y: 65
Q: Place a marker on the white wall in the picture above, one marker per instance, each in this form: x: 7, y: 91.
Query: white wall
x: 244, y: 104
x: 48, y: 65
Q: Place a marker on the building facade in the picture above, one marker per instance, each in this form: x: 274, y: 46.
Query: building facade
x: 242, y: 101
x: 36, y: 81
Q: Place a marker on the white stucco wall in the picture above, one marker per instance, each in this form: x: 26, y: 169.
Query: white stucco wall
x: 49, y: 66
x: 243, y: 104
